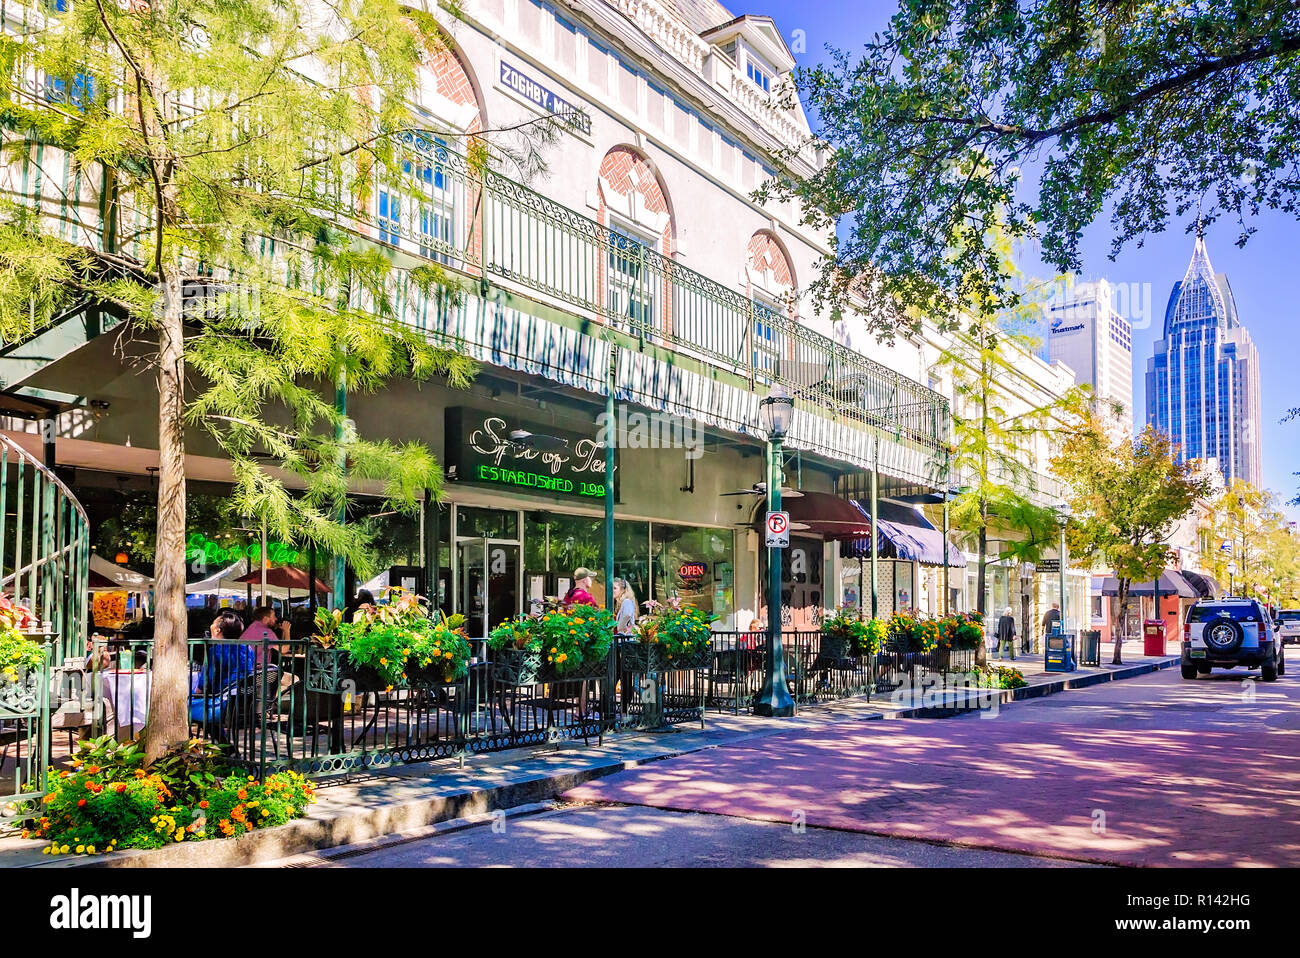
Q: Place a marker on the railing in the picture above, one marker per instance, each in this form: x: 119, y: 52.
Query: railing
x: 44, y: 548
x: 275, y: 706
x: 24, y: 742
x: 429, y: 201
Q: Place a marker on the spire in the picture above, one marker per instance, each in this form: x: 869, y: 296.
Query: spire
x: 1192, y: 304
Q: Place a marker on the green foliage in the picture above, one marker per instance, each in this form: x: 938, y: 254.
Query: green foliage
x: 1143, y: 107
x: 107, y: 800
x: 679, y: 631
x: 398, y: 639
x: 568, y: 638
x: 997, y: 677
x: 1125, y: 496
x: 239, y: 191
x: 18, y: 654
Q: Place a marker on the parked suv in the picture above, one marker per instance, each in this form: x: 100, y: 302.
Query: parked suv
x: 1288, y: 631
x: 1231, y: 632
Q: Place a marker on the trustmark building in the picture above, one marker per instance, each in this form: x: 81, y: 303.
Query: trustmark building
x: 636, y: 263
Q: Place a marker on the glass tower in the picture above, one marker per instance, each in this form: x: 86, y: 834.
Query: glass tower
x: 1203, y: 381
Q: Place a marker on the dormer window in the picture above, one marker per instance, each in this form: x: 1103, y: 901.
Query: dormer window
x: 758, y: 72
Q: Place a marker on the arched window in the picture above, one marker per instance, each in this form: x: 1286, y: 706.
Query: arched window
x: 425, y: 202
x: 772, y: 287
x: 635, y: 209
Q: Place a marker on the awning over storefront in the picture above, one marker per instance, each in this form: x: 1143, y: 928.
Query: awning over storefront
x: 904, y: 534
x: 823, y: 514
x: 1171, y: 583
x: 1202, y: 583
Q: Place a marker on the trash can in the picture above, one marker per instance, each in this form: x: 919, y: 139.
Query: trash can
x: 1153, y: 637
x: 1090, y: 647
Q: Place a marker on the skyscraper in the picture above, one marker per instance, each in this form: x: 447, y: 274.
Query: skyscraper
x: 1203, y: 381
x: 1088, y: 335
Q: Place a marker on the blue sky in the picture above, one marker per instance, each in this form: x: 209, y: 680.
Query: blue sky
x: 1258, y: 272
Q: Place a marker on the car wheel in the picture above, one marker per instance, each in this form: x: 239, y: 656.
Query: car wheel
x: 1281, y: 663
x: 1268, y: 672
x: 1189, y: 671
x: 1223, y: 636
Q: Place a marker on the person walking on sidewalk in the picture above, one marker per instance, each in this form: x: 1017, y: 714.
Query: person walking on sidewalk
x: 1007, y: 633
x: 1049, y: 617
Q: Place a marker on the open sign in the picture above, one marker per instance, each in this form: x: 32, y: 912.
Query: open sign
x: 693, y: 570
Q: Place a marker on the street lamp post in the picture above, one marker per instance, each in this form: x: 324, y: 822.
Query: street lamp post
x: 1232, y: 572
x: 1063, y: 518
x: 774, y: 698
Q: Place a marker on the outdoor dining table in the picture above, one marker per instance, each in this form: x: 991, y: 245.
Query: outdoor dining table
x: 128, y: 693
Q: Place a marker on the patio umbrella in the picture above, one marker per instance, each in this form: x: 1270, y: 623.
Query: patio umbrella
x: 285, y: 577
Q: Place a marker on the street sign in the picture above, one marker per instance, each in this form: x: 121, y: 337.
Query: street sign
x: 778, y: 530
x: 1048, y: 567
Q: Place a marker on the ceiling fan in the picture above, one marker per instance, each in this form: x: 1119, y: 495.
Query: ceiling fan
x: 760, y: 489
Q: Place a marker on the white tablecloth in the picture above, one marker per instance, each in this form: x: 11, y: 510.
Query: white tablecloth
x: 128, y: 693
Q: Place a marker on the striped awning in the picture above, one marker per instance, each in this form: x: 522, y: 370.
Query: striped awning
x: 903, y: 533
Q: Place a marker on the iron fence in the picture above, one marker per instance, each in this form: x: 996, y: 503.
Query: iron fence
x: 24, y: 741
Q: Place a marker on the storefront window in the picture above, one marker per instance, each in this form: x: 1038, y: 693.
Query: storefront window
x: 696, y: 565
x: 555, y: 544
x: 490, y: 523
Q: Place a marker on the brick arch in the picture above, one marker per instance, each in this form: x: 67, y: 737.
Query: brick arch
x: 454, y: 78
x: 625, y: 173
x: 769, y: 263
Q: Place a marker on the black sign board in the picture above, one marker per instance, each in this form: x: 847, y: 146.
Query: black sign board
x: 566, y: 464
x: 1048, y: 567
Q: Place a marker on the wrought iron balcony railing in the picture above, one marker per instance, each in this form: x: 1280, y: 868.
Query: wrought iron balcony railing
x: 429, y: 202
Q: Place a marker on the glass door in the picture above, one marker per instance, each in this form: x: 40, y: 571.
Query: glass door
x: 488, y: 586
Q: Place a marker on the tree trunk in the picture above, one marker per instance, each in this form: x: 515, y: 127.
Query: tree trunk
x: 1117, y: 628
x: 168, y: 719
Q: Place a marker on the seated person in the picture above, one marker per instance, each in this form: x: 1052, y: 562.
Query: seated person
x: 263, y: 631
x: 225, y: 660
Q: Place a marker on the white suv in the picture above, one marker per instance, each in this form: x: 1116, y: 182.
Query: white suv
x: 1231, y: 632
x: 1288, y: 626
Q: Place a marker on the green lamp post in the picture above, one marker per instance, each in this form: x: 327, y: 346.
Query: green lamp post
x: 775, y: 413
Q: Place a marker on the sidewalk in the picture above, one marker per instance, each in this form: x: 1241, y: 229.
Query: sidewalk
x: 415, y: 796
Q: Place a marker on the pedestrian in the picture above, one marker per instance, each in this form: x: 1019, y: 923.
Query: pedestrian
x: 1051, y: 616
x: 265, y: 630
x: 625, y: 604
x: 1007, y: 633
x: 580, y: 592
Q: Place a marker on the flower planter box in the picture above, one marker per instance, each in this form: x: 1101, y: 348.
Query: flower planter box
x: 596, y: 669
x: 836, y: 647
x: 331, y: 670
x: 639, y: 657
x: 433, y: 677
x: 516, y: 667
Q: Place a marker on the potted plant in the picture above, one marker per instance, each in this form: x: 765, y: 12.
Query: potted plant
x: 370, y: 653
x: 672, y: 636
x: 516, y: 648
x: 21, y: 659
x: 439, y: 652
x: 843, y: 634
x: 554, y: 643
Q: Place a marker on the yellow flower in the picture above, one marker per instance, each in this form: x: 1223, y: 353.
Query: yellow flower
x: 80, y: 849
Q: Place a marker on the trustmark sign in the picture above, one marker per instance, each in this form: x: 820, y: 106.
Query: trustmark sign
x: 523, y: 85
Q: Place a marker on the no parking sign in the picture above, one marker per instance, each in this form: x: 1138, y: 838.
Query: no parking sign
x: 778, y: 530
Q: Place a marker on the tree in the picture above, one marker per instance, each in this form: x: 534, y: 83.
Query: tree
x: 995, y: 434
x: 1125, y: 496
x: 232, y: 142
x: 1247, y: 521
x: 944, y: 122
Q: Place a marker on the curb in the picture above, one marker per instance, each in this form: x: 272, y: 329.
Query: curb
x: 974, y: 700
x: 330, y: 827
x: 359, y: 824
